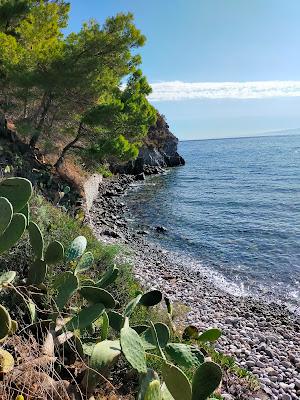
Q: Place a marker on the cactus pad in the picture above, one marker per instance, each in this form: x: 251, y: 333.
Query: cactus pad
x: 166, y: 395
x: 190, y: 332
x: 25, y: 211
x: 6, y: 213
x: 184, y: 355
x: 37, y: 272
x: 76, y: 249
x: 151, y: 298
x: 17, y: 190
x: 36, y: 240
x: 140, y: 328
x: 133, y: 350
x: 13, y: 232
x: 5, y: 323
x: 54, y: 253
x: 177, y: 382
x: 150, y: 387
x: 84, y: 263
x: 85, y: 317
x: 97, y: 295
x: 130, y: 307
x: 66, y: 285
x: 163, y: 336
x: 6, y: 362
x: 116, y: 320
x: 206, y: 380
x: 211, y: 335
x: 7, y: 277
x: 108, y: 278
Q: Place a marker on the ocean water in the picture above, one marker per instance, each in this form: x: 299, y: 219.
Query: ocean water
x: 234, y: 211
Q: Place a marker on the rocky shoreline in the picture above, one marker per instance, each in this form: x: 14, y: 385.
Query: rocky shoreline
x: 263, y: 338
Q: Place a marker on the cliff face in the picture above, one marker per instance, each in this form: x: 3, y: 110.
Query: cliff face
x: 159, y: 151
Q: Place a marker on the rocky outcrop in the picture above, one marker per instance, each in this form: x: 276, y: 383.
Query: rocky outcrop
x: 159, y: 151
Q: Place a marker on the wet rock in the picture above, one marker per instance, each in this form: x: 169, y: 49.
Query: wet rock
x: 161, y: 229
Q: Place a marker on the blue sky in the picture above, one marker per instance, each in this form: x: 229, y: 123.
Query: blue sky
x: 195, y: 47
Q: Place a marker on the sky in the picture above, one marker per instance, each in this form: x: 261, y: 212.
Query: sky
x: 218, y: 68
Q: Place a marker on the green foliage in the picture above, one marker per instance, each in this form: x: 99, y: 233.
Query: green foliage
x: 132, y: 348
x: 176, y: 382
x: 17, y: 191
x: 163, y: 336
x: 206, y: 380
x: 211, y: 335
x: 85, y: 263
x: 76, y: 249
x: 13, y: 232
x: 54, y: 253
x: 37, y: 272
x: 82, y: 326
x: 85, y: 317
x: 36, y: 240
x: 94, y: 295
x: 151, y: 298
x: 66, y: 284
x: 6, y: 214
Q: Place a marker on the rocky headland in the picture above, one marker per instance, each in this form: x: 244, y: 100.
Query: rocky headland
x: 264, y: 338
x: 159, y: 150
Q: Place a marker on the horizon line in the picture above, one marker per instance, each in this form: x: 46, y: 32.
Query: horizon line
x: 260, y: 135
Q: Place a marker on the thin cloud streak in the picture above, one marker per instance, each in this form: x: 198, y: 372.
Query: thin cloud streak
x: 178, y: 90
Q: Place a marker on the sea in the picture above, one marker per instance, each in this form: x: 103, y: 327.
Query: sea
x: 232, y: 211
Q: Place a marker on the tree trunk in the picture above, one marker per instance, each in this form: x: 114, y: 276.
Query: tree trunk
x: 60, y: 160
x: 46, y: 102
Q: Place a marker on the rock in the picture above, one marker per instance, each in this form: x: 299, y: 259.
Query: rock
x: 140, y: 177
x: 158, y: 151
x: 161, y: 229
x: 143, y: 232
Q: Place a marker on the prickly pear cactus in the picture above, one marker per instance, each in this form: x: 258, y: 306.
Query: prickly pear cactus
x: 130, y: 307
x: 37, y: 272
x: 190, y: 332
x: 108, y: 278
x: 104, y: 355
x: 97, y: 295
x: 132, y: 348
x: 66, y: 285
x: 211, y: 335
x: 177, y: 382
x: 17, y: 190
x: 206, y: 380
x: 5, y: 323
x: 116, y: 320
x: 150, y: 386
x: 184, y: 355
x: 54, y: 253
x: 26, y: 212
x: 36, y: 240
x: 6, y: 278
x: 85, y: 317
x: 151, y: 298
x: 6, y: 213
x: 6, y: 362
x: 163, y: 336
x: 76, y: 249
x: 13, y: 232
x: 85, y: 263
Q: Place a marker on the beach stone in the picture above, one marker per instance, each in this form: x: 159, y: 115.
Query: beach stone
x: 286, y: 397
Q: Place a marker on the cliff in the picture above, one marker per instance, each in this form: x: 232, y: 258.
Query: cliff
x: 159, y: 150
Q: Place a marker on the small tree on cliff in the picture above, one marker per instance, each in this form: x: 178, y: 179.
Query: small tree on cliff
x: 114, y: 128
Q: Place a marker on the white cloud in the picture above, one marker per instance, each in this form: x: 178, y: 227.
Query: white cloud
x: 177, y: 90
